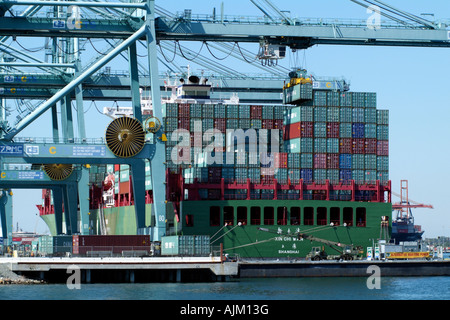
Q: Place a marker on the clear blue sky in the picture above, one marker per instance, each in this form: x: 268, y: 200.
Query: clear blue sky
x: 411, y: 82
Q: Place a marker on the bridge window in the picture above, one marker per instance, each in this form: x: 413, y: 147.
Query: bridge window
x: 348, y: 216
x: 360, y: 217
x: 255, y: 215
x: 268, y: 216
x: 308, y: 216
x: 335, y: 216
x: 228, y: 215
x: 295, y: 216
x: 214, y: 216
x: 242, y: 215
x: 321, y: 216
x: 282, y: 216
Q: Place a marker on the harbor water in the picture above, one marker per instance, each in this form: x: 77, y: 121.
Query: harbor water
x: 261, y: 289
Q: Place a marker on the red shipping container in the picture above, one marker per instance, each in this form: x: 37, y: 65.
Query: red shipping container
x: 333, y: 130
x: 256, y: 112
x: 220, y: 124
x: 306, y: 129
x: 124, y: 187
x: 184, y: 110
x: 383, y: 148
x: 345, y: 146
x: 117, y: 167
x: 332, y: 161
x: 282, y: 158
x: 320, y: 161
x: 278, y: 124
x: 267, y: 124
x: 358, y: 146
x: 184, y: 123
x: 116, y: 244
x: 291, y: 131
x: 371, y: 146
x: 267, y: 179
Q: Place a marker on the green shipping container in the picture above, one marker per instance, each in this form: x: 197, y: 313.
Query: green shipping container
x: 333, y: 114
x: 320, y: 129
x: 358, y: 161
x: 292, y: 145
x: 345, y: 130
x: 320, y: 145
x: 306, y: 160
x: 170, y: 110
x: 346, y: 114
x: 292, y: 115
x: 383, y: 163
x: 186, y: 245
x: 383, y: 132
x: 383, y: 117
x: 307, y: 145
x: 370, y: 131
x: 370, y: 162
x: 370, y: 115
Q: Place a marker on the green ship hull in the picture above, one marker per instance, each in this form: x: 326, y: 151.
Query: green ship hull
x: 355, y: 223
x: 237, y: 224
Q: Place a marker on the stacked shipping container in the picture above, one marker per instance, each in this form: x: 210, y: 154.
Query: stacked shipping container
x: 329, y: 135
x: 221, y: 117
x: 344, y: 134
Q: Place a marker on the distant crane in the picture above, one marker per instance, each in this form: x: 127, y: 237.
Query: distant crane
x: 405, y: 203
x: 403, y: 227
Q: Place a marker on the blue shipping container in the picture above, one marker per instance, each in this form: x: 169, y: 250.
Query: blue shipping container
x: 306, y: 175
x: 358, y: 130
x: 345, y: 175
x: 345, y: 161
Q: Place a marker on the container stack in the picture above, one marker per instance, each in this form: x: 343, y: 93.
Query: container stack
x: 339, y: 136
x: 205, y: 167
x: 324, y: 135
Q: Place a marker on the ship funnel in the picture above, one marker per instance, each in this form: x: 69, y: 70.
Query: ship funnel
x: 194, y: 79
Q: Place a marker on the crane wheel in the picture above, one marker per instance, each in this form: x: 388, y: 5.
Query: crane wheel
x: 125, y: 137
x: 58, y: 172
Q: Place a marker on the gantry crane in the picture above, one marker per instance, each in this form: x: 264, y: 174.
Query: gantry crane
x: 405, y: 219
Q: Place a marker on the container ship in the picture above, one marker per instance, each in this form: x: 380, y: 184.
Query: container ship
x: 322, y: 179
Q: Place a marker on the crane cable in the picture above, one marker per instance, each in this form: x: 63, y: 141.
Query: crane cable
x: 238, y: 225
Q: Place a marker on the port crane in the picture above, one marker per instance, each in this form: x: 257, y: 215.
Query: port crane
x: 345, y: 251
x: 406, y: 203
x: 124, y: 25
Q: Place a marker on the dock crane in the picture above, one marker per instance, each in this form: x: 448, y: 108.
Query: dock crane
x: 406, y: 203
x: 403, y: 228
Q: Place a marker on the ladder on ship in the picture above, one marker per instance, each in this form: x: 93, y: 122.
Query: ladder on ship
x: 384, y: 229
x: 102, y: 221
